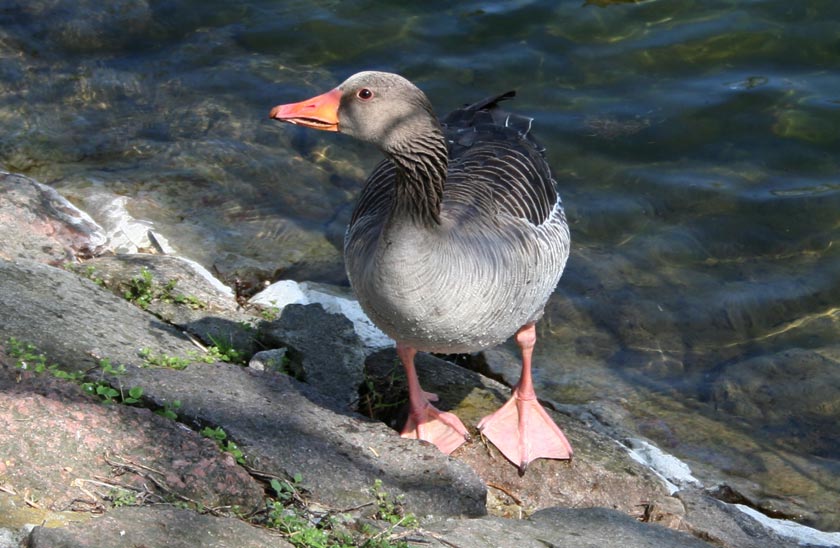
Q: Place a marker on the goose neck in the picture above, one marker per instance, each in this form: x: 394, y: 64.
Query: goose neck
x: 420, y: 178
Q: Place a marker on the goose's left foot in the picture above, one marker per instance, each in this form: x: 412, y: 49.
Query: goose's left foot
x: 426, y: 422
x: 521, y: 429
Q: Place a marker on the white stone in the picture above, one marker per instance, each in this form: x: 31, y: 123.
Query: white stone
x: 279, y: 294
x: 674, y: 472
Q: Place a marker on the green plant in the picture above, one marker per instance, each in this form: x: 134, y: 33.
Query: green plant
x: 87, y: 271
x: 224, y: 351
x: 122, y: 497
x: 107, y: 369
x: 168, y: 410
x: 106, y: 392
x: 167, y: 294
x: 219, y: 351
x: 109, y: 394
x: 270, y: 313
x: 287, y: 491
x: 305, y: 527
x: 139, y: 289
x: 390, y: 508
x: 28, y: 358
x: 150, y: 359
x: 382, y: 397
x: 142, y: 291
x: 220, y: 437
x: 135, y: 393
x: 246, y: 325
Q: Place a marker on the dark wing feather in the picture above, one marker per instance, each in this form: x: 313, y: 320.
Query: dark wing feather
x: 496, y: 148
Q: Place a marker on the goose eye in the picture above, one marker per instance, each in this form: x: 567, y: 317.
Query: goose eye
x: 364, y: 94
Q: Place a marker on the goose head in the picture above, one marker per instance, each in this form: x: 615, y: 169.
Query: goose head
x: 377, y: 107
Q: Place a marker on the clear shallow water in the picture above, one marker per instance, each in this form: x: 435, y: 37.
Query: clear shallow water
x: 695, y: 143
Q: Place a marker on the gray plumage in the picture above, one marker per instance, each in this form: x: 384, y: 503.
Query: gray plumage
x: 459, y: 237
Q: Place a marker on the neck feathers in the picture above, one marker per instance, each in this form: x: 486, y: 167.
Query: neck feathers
x: 421, y: 164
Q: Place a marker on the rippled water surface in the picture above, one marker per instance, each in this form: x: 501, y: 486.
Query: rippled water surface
x: 696, y: 145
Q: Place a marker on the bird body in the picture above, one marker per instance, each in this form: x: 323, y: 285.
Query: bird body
x: 456, y: 243
x: 421, y: 287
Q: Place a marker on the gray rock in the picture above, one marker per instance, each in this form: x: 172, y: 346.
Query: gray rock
x: 287, y: 427
x: 271, y: 360
x: 75, y: 322
x: 563, y: 528
x: 10, y: 538
x: 185, y: 298
x: 38, y: 223
x: 323, y: 350
x: 601, y: 473
x: 153, y: 527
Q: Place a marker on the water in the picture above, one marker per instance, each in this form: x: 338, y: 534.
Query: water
x: 695, y: 143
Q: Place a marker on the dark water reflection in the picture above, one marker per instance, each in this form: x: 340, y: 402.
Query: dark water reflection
x: 695, y: 142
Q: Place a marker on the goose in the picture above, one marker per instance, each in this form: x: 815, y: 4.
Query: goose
x: 456, y: 243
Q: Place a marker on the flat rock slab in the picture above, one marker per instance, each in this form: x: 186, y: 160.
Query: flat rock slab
x: 76, y: 322
x: 556, y: 527
x: 65, y: 451
x: 207, y: 309
x: 563, y: 528
x: 85, y: 446
x: 156, y: 527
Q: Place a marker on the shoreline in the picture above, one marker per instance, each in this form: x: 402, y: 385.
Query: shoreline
x: 70, y: 236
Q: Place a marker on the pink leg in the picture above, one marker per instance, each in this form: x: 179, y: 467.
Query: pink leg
x: 425, y: 422
x: 521, y: 429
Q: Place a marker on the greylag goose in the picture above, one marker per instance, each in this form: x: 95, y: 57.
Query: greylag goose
x: 456, y: 243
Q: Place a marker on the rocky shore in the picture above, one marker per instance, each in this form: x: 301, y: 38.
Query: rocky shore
x: 144, y: 404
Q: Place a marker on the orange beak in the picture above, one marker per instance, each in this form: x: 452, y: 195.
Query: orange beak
x: 320, y: 112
